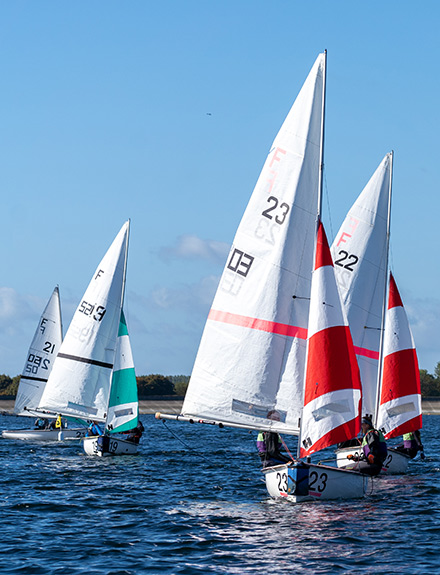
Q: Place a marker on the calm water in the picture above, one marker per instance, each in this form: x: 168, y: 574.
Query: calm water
x: 172, y: 509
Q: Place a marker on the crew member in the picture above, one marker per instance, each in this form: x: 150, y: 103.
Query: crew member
x: 374, y: 449
x: 269, y: 445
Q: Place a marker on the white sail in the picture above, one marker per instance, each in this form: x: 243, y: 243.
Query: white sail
x: 40, y: 357
x: 251, y: 357
x: 79, y: 384
x: 360, y: 254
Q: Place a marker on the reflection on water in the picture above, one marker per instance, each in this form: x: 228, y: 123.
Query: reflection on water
x: 203, y: 509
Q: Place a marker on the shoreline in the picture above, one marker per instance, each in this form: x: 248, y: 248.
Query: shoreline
x: 430, y: 406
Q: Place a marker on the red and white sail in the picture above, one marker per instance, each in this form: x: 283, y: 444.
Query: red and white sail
x: 360, y: 255
x: 251, y: 357
x: 400, y: 409
x: 332, y: 395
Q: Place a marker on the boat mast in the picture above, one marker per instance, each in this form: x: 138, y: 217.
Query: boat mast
x: 321, y: 151
x: 319, y: 206
x: 385, y: 297
x: 125, y: 264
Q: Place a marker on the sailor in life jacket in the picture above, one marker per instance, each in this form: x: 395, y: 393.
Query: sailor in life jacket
x: 412, y: 444
x: 374, y: 449
x: 93, y: 430
x: 269, y: 445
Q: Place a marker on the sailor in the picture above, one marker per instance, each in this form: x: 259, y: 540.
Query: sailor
x: 93, y: 430
x: 374, y: 449
x: 269, y: 444
x: 41, y: 423
x: 412, y: 444
x: 135, y: 434
x: 58, y: 423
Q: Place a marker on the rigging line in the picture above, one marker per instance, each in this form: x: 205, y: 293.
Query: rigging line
x: 287, y: 449
x: 185, y: 445
x: 328, y: 207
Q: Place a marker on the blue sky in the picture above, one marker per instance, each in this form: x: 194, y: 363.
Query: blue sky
x: 163, y: 112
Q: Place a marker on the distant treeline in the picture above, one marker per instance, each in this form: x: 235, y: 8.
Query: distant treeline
x: 156, y: 384
x: 147, y: 385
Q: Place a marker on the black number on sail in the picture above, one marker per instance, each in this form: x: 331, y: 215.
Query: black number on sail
x: 48, y: 347
x: 280, y: 216
x: 240, y: 262
x: 351, y: 260
x: 88, y: 309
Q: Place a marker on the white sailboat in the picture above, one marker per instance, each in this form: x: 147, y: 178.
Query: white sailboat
x: 80, y: 381
x: 38, y: 366
x: 123, y: 409
x: 360, y: 252
x: 252, y: 355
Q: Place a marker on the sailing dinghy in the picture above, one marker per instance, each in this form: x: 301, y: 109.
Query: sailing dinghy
x: 252, y: 356
x: 80, y: 382
x: 360, y: 252
x: 39, y: 361
x: 123, y: 409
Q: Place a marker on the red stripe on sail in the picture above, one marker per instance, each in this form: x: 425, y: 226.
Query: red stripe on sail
x: 401, y: 375
x: 336, y: 435
x: 331, y: 363
x: 258, y: 324
x: 394, y: 299
x: 407, y: 427
x: 364, y: 352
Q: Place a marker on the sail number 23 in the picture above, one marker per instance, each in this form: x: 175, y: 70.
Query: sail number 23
x: 281, y: 210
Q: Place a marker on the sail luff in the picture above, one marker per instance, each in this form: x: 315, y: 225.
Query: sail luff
x: 321, y: 153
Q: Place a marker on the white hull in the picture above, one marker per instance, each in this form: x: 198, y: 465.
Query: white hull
x: 105, y: 445
x: 394, y: 464
x: 307, y: 482
x: 45, y: 434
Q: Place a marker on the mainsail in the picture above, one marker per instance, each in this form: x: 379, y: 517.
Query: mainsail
x: 40, y: 357
x: 79, y: 385
x: 332, y: 396
x: 400, y: 409
x: 360, y: 255
x: 251, y: 357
